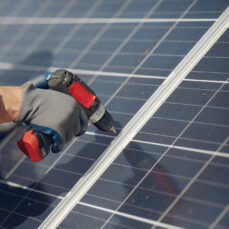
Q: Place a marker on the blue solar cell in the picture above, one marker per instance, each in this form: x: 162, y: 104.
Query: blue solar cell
x: 224, y: 221
x: 208, y: 76
x: 117, y: 68
x: 224, y: 37
x: 137, y: 91
x: 138, y: 46
x: 53, y: 8
x: 206, y: 132
x: 106, y: 45
x: 122, y: 174
x: 61, y: 178
x: 3, y: 215
x: 43, y: 198
x: 75, y: 220
x: 174, y: 5
x: 155, y: 138
x: 34, y: 209
x: 30, y: 172
x: 212, y: 193
x: 197, y: 144
x: 174, y: 48
x: 125, y: 105
x: 7, y: 8
x: 214, y: 116
x: 95, y: 58
x: 134, y: 210
x: 211, y: 15
x: 202, y: 212
x: 153, y: 72
x: 110, y: 190
x: 216, y: 174
x: 9, y: 201
x: 137, y: 8
x: 20, y: 222
x: 150, y: 200
x: 200, y: 85
x: 205, y: 5
x: 164, y: 127
x: 79, y: 8
x: 118, y: 32
x: 108, y: 7
x: 86, y: 149
x: 137, y: 158
x: 219, y: 50
x: 185, y: 153
x: 190, y: 96
x: 93, y: 212
x: 161, y: 181
x: 167, y: 15
x: 177, y: 111
x: 74, y: 164
x: 220, y: 100
x: 105, y: 88
x: 100, y: 202
x: 183, y: 222
x: 127, y: 60
x: 188, y: 169
x: 120, y: 222
x: 162, y: 62
x: 213, y: 65
x: 147, y: 33
x: 186, y: 34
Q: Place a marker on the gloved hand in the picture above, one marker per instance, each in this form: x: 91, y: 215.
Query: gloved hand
x: 52, y: 113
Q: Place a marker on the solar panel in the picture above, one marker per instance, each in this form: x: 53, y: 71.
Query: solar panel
x: 168, y: 176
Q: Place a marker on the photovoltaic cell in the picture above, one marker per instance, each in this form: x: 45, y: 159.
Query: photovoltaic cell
x: 168, y: 172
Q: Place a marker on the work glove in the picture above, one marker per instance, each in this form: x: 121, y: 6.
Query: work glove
x: 52, y: 113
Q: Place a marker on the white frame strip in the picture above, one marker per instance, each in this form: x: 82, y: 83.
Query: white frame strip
x: 64, y: 20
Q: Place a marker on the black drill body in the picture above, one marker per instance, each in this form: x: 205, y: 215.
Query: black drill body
x: 61, y: 80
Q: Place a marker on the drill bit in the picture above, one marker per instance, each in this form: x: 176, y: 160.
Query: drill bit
x: 113, y: 130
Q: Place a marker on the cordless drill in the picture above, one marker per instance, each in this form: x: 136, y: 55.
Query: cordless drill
x: 37, y: 145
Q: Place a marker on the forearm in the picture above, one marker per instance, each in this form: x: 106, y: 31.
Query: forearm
x: 10, y: 101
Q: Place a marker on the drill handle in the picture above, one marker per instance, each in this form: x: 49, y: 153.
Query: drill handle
x: 35, y: 145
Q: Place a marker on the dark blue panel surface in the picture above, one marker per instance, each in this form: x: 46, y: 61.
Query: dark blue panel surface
x: 164, y: 159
